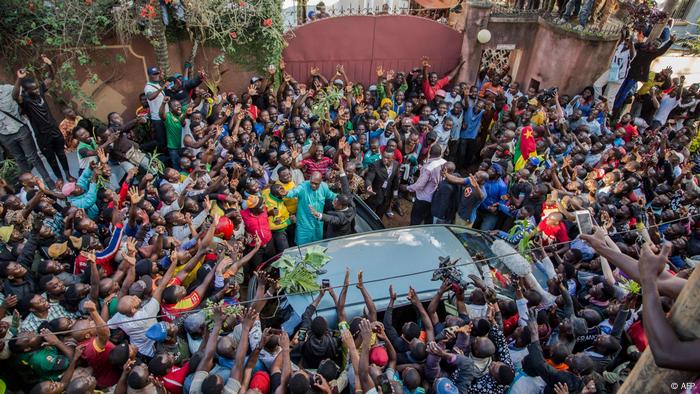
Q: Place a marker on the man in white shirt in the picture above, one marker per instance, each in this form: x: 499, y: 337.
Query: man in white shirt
x: 134, y: 319
x: 617, y: 72
x: 154, y: 94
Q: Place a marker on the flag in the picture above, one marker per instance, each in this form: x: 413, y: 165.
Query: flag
x: 524, y: 148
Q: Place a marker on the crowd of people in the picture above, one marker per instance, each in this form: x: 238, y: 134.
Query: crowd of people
x: 134, y: 283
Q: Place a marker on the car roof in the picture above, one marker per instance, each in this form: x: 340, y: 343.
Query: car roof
x: 391, y: 254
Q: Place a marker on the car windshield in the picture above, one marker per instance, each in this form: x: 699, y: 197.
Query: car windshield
x: 479, y: 248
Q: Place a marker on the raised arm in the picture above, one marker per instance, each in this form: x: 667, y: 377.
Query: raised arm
x: 249, y: 316
x: 371, y: 308
x: 669, y: 351
x: 427, y: 323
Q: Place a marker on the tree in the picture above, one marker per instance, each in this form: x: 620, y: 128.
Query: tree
x: 63, y: 30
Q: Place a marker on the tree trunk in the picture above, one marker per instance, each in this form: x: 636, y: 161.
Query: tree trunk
x: 646, y: 377
x: 160, y: 42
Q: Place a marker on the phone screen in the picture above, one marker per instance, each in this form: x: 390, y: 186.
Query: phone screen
x: 584, y: 221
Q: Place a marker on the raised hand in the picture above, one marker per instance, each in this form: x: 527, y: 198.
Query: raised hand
x: 89, y: 306
x: 252, y: 90
x: 651, y: 265
x: 248, y: 317
x: 21, y: 73
x: 424, y: 61
x: 412, y: 296
x: 134, y: 195
x: 359, y: 284
x: 46, y: 60
x: 315, y: 71
x: 392, y: 293
x: 380, y: 71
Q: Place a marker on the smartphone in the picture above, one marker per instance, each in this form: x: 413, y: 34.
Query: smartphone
x: 325, y: 283
x: 584, y: 221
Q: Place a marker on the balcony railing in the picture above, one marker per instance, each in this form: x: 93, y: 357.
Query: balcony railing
x: 544, y: 9
x: 441, y: 16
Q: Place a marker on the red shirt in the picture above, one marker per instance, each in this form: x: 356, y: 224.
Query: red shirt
x: 175, y: 378
x: 105, y: 374
x: 187, y: 303
x: 322, y: 166
x: 630, y: 131
x: 257, y: 225
x: 431, y: 91
x: 398, y: 156
x: 554, y: 234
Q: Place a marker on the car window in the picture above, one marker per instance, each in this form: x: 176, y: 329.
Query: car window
x: 479, y: 247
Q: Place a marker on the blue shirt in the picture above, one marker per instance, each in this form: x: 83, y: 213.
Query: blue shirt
x: 472, y: 124
x: 494, y: 190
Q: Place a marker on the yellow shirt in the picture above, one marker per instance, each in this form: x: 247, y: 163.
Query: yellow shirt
x: 290, y: 203
x: 281, y: 220
x: 646, y: 86
x: 538, y: 118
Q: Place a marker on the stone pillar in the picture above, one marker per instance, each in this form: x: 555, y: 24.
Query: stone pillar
x: 476, y: 17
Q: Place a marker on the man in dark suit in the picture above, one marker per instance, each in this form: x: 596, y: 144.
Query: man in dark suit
x: 382, y: 182
x: 341, y: 219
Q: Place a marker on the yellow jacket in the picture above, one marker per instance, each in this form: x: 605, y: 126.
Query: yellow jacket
x: 281, y: 220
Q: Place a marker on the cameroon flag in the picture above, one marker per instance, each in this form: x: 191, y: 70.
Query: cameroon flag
x: 524, y: 148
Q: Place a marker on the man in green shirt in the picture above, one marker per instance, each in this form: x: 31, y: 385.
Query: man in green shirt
x: 174, y: 120
x: 37, y: 363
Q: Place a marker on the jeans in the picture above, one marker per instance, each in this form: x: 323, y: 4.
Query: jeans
x: 466, y: 153
x: 174, y: 155
x: 22, y: 148
x: 420, y: 213
x: 159, y: 128
x: 584, y: 13
x: 488, y: 220
x: 627, y: 88
x: 52, y: 145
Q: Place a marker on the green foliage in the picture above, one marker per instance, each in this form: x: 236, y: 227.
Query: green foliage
x: 326, y: 100
x: 8, y: 170
x: 229, y: 310
x: 155, y: 165
x: 631, y: 286
x: 250, y: 32
x: 60, y: 29
x: 300, y: 276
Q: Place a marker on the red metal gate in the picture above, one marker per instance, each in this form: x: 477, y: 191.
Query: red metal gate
x: 361, y: 43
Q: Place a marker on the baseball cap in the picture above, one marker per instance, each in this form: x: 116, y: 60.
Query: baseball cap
x: 153, y: 71
x: 378, y: 356
x: 255, y: 79
x: 440, y: 93
x: 157, y: 332
x: 260, y: 381
x: 445, y: 386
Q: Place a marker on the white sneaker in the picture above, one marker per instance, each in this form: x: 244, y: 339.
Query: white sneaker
x: 578, y: 28
x: 390, y: 214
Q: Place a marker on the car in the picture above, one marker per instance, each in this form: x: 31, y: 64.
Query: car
x: 403, y: 257
x: 365, y: 218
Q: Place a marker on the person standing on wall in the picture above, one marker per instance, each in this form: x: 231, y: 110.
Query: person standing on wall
x: 154, y: 94
x: 31, y: 98
x: 16, y: 138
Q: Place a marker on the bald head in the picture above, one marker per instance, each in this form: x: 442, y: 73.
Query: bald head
x: 315, y: 180
x: 482, y: 177
x: 128, y: 305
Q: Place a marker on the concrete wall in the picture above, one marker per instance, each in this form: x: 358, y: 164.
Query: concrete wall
x: 544, y: 52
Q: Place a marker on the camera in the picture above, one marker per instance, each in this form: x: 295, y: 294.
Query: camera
x: 547, y: 95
